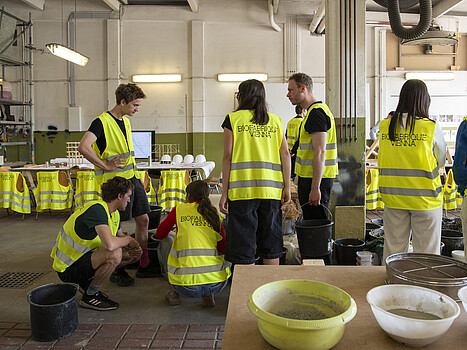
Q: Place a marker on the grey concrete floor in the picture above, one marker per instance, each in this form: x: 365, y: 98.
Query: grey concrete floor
x: 25, y: 247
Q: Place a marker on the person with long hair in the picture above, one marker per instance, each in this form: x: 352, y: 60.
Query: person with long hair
x: 192, y: 261
x: 256, y: 178
x: 411, y: 152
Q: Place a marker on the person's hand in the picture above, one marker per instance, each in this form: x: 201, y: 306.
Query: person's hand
x: 315, y: 197
x: 223, y: 204
x: 134, y: 249
x: 285, y: 198
x: 115, y: 163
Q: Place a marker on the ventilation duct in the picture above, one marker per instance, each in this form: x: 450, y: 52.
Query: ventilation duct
x: 394, y: 7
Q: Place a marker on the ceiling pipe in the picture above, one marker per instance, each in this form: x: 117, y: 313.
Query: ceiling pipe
x: 317, y: 18
x: 271, y: 16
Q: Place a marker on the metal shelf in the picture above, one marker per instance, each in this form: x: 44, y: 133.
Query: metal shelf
x: 14, y: 102
x: 5, y: 122
x: 5, y: 144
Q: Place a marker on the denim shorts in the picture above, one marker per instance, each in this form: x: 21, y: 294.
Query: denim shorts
x: 254, y: 227
x: 200, y: 290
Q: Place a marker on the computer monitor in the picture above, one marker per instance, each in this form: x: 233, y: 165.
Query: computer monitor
x: 142, y: 143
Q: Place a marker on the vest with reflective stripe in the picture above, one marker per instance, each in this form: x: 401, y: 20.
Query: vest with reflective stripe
x: 408, y: 171
x: 373, y: 196
x: 305, y: 153
x: 172, y: 188
x: 256, y: 169
x: 194, y: 259
x: 87, y: 188
x: 10, y: 196
x: 50, y: 194
x: 69, y: 247
x: 150, y: 192
x: 116, y: 145
x: 293, y: 131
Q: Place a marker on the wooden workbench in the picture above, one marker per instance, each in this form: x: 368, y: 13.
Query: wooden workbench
x: 363, y: 332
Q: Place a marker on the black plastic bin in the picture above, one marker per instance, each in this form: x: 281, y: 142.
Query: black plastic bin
x: 346, y: 250
x: 453, y: 240
x: 314, y: 237
x: 53, y: 311
x: 154, y: 217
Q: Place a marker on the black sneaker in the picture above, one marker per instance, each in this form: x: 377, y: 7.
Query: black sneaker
x: 98, y: 301
x: 121, y: 278
x: 148, y: 272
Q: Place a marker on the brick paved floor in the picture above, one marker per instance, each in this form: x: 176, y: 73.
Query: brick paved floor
x: 117, y: 336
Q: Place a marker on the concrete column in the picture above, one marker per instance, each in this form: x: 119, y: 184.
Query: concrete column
x: 345, y: 95
x: 197, y: 85
x: 113, y: 60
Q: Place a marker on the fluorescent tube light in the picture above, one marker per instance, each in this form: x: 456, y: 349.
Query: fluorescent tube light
x: 430, y: 75
x: 157, y: 78
x: 67, y: 54
x: 242, y: 77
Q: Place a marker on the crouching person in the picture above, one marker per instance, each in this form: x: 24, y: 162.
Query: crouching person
x: 91, y: 244
x: 192, y: 260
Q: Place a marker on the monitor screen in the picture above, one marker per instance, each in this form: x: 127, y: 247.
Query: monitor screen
x: 142, y: 143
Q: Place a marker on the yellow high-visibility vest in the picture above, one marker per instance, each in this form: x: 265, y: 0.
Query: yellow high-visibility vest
x: 116, y: 145
x: 69, y: 247
x: 293, y: 131
x: 373, y: 196
x: 87, y: 188
x: 14, y: 192
x: 256, y: 169
x: 172, y: 188
x: 408, y: 172
x: 150, y: 191
x: 50, y: 193
x: 194, y: 259
x: 451, y: 197
x: 305, y: 153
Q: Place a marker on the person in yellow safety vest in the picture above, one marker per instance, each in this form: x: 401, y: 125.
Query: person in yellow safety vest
x: 14, y: 192
x: 411, y: 152
x: 373, y: 196
x: 459, y: 169
x: 316, y: 164
x: 192, y: 260
x: 292, y: 133
x: 109, y: 146
x: 91, y: 244
x: 256, y: 172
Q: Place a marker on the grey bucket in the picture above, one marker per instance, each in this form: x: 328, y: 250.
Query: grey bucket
x: 53, y: 311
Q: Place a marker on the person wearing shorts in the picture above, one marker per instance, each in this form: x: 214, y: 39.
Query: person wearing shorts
x: 89, y: 246
x: 256, y: 178
x: 109, y: 146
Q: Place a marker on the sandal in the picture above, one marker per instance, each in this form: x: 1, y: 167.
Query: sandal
x: 172, y: 298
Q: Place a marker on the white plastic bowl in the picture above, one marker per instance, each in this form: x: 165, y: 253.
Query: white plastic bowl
x: 462, y: 294
x: 407, y: 330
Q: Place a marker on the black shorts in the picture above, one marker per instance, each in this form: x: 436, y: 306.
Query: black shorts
x: 138, y: 202
x: 80, y: 272
x: 253, y: 227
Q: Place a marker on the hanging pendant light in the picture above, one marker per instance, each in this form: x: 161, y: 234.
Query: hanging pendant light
x: 67, y: 54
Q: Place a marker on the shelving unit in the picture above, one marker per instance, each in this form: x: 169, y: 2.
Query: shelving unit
x: 16, y: 68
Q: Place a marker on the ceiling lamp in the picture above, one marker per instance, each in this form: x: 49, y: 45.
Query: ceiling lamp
x: 241, y: 76
x: 67, y: 54
x: 157, y: 78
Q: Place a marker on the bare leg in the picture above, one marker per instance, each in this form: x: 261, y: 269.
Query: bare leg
x: 271, y: 261
x: 104, y: 262
x: 141, y: 232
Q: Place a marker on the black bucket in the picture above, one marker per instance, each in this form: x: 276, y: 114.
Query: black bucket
x: 346, y: 250
x: 453, y: 240
x: 372, y: 230
x: 53, y: 311
x: 314, y: 237
x: 154, y: 217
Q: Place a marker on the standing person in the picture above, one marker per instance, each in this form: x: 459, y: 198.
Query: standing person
x: 292, y: 133
x: 89, y: 246
x: 459, y: 169
x: 411, y: 151
x: 109, y: 146
x: 256, y: 178
x: 316, y: 165
x: 195, y: 265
